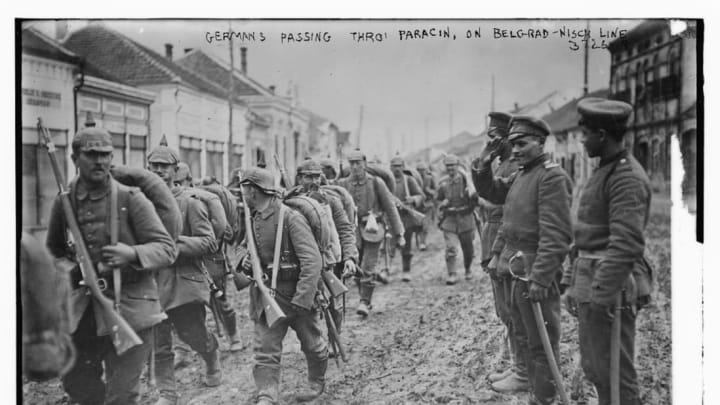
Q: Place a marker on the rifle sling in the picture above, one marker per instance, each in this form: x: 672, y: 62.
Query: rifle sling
x: 278, y: 247
x: 114, y: 233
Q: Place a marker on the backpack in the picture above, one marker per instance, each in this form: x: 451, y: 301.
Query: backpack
x: 216, y: 212
x: 386, y: 175
x: 316, y: 210
x: 230, y: 206
x: 345, y: 198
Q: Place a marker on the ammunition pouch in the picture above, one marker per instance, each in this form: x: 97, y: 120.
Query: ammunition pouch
x: 286, y: 272
x: 462, y: 210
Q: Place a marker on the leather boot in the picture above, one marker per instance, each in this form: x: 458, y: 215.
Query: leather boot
x: 512, y: 382
x: 213, y: 373
x: 452, y: 272
x: 314, y: 390
x: 406, y: 262
x: 468, y: 273
x: 366, y: 292
x: 236, y: 343
x: 494, y: 377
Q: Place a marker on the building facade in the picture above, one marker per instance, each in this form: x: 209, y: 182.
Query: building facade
x: 656, y: 72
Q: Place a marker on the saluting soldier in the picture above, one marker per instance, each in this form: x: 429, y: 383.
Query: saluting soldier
x: 536, y: 234
x: 184, y: 290
x: 610, y: 267
x: 502, y: 281
x: 455, y: 206
x: 428, y: 207
x: 409, y: 195
x: 374, y: 203
x: 310, y: 175
x: 143, y: 245
x: 297, y: 284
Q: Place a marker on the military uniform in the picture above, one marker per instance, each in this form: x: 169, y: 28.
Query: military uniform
x: 406, y: 187
x: 345, y: 230
x: 612, y: 214
x: 534, y: 239
x: 297, y: 284
x: 184, y: 290
x: 493, y: 213
x: 456, y: 219
x: 139, y: 227
x: 428, y: 207
x: 371, y: 196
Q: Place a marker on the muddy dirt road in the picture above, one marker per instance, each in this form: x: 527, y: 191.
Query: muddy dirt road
x: 426, y: 342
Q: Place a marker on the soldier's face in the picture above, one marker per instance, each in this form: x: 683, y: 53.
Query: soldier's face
x: 526, y: 149
x: 451, y: 170
x: 310, y: 182
x: 166, y: 171
x: 357, y: 167
x: 250, y: 194
x: 396, y: 170
x: 93, y: 166
x: 592, y: 140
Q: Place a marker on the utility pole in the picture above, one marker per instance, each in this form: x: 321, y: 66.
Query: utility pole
x: 585, y: 78
x: 359, y: 128
x: 231, y: 92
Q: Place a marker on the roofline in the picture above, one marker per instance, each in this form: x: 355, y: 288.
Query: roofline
x: 73, y: 57
x: 130, y: 91
x: 236, y: 74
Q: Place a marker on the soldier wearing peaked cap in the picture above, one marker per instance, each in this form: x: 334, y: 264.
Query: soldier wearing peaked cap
x: 143, y: 245
x: 297, y: 284
x: 456, y: 205
x: 532, y: 243
x: 429, y: 188
x: 184, y: 291
x: 310, y: 174
x: 610, y: 269
x: 409, y: 194
x: 503, y: 167
x: 375, y: 209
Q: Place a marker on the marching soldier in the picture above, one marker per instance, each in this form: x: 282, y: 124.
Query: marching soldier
x: 428, y: 207
x: 610, y: 269
x: 310, y: 174
x: 498, y: 132
x: 408, y: 195
x: 143, y: 245
x: 184, y: 290
x: 456, y: 218
x: 373, y: 199
x: 216, y: 262
x: 297, y: 284
x: 536, y: 237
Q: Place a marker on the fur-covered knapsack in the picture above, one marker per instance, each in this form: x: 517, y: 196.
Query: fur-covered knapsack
x: 318, y: 213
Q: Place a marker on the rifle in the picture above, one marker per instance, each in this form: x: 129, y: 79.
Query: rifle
x: 386, y: 251
x: 273, y: 312
x: 215, y: 294
x: 333, y: 284
x: 121, y: 333
x: 333, y: 336
x: 283, y: 172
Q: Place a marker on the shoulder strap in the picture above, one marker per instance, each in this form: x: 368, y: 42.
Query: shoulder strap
x: 405, y: 184
x: 278, y: 246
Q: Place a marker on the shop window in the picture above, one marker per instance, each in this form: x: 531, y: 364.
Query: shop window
x: 138, y: 150
x: 190, y: 150
x: 118, y: 141
x: 214, y: 162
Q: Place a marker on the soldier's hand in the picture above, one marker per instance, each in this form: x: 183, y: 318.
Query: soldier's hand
x: 493, y: 262
x: 570, y: 305
x: 349, y: 269
x: 119, y: 255
x: 401, y: 241
x: 536, y: 292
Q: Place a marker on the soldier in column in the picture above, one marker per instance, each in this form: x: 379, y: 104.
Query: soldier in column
x: 310, y: 175
x: 184, y: 290
x: 374, y: 205
x: 501, y: 280
x: 408, y: 196
x: 455, y: 219
x: 610, y: 268
x: 297, y: 285
x: 143, y: 246
x: 428, y: 207
x: 215, y: 262
x: 536, y: 234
